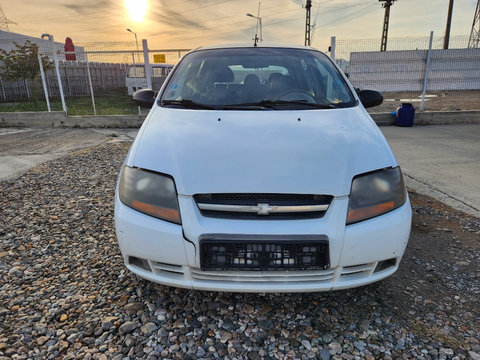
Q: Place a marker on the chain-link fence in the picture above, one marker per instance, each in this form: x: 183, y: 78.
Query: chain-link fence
x: 99, y: 78
x: 90, y: 79
x: 408, y: 71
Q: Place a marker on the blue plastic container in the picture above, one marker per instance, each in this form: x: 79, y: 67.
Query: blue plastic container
x: 405, y: 115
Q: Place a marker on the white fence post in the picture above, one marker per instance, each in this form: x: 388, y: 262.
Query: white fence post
x: 59, y: 78
x: 136, y: 80
x: 333, y: 43
x: 427, y: 67
x: 44, y: 83
x: 27, y: 89
x: 146, y: 61
x: 91, y: 87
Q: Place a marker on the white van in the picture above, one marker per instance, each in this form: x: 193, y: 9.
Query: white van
x: 136, y: 80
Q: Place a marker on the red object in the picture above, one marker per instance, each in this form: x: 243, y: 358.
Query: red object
x: 70, y: 47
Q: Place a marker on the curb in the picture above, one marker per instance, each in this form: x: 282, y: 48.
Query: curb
x: 58, y: 119
x: 433, y: 118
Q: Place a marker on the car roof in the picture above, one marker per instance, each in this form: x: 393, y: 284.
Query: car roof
x: 250, y: 45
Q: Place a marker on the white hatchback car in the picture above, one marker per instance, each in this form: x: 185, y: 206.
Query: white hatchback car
x: 258, y: 169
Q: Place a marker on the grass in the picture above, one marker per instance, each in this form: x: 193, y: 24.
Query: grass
x: 114, y: 104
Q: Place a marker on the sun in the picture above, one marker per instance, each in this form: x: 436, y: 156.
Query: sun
x: 137, y: 9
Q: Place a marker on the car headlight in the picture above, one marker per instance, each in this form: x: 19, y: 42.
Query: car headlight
x: 150, y: 193
x: 376, y: 193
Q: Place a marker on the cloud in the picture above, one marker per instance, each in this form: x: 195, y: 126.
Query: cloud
x: 87, y: 6
x: 175, y: 19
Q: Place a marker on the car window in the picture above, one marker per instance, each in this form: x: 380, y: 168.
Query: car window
x: 136, y: 71
x: 273, y: 78
x: 161, y: 71
x: 139, y: 71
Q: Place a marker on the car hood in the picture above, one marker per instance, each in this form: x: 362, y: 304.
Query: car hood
x: 292, y: 151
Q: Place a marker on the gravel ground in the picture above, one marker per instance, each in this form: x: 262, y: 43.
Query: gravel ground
x: 64, y: 292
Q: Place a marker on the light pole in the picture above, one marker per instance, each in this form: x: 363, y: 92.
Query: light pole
x: 259, y: 23
x: 136, y: 40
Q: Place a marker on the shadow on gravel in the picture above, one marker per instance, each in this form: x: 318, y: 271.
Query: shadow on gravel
x: 64, y: 292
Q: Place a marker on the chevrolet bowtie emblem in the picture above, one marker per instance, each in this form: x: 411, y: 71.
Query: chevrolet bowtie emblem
x: 264, y: 209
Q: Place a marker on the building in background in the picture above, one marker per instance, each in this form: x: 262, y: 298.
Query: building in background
x: 7, y: 40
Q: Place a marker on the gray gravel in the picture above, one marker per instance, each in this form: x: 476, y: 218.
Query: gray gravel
x: 64, y: 292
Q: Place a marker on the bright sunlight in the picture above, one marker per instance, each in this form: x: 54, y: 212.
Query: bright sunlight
x: 136, y: 9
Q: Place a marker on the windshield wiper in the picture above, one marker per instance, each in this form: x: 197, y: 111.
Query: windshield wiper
x: 186, y: 103
x: 272, y: 103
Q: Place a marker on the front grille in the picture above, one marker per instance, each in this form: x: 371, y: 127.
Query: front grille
x: 255, y: 198
x: 269, y: 254
x: 257, y: 205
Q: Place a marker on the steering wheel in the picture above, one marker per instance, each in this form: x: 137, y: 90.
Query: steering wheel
x: 295, y: 95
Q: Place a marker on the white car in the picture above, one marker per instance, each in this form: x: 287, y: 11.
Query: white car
x: 258, y: 169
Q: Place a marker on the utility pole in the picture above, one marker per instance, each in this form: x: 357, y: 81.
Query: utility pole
x: 446, y: 40
x: 308, y: 6
x: 386, y: 19
x: 474, y: 40
x: 4, y: 21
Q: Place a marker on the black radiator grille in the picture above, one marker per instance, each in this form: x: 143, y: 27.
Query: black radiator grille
x: 255, y: 198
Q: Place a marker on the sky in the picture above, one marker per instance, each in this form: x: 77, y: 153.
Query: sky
x: 174, y: 24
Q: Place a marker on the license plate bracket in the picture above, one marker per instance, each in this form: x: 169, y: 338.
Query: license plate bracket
x: 263, y: 253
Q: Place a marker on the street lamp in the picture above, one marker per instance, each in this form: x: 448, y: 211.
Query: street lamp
x: 134, y: 33
x: 259, y: 22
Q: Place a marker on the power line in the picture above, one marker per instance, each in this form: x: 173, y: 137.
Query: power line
x: 227, y: 25
x: 355, y: 13
x: 314, y: 24
x: 281, y: 21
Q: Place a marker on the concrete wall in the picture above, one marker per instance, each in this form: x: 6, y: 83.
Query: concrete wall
x: 391, y: 71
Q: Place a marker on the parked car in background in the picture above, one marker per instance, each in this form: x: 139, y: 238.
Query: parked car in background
x: 258, y: 169
x: 136, y: 80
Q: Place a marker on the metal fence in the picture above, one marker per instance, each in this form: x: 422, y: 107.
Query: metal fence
x: 414, y: 69
x: 94, y: 79
x: 74, y: 75
x: 99, y: 78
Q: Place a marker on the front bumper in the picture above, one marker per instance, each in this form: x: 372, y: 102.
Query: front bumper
x: 360, y: 253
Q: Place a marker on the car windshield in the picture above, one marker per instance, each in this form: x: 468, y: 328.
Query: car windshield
x: 257, y: 78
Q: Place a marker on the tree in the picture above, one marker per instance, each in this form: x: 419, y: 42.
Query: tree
x: 22, y: 63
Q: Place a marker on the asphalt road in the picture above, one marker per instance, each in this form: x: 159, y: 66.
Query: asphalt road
x: 23, y: 149
x: 442, y: 161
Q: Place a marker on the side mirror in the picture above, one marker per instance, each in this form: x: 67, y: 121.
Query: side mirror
x: 144, y: 98
x: 370, y: 98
